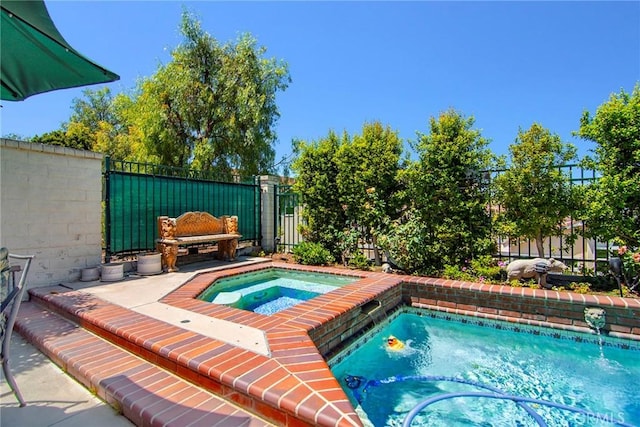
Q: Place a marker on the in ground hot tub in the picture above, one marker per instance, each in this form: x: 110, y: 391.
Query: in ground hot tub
x: 272, y: 290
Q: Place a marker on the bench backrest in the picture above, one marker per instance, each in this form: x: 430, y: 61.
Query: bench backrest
x: 198, y: 224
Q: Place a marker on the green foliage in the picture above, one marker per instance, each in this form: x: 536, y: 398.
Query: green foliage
x: 515, y: 283
x: 367, y: 179
x: 213, y: 106
x: 454, y: 272
x: 97, y: 124
x: 311, y: 253
x: 534, y: 194
x: 630, y: 273
x: 577, y: 287
x: 407, y: 244
x: 347, y: 243
x: 323, y: 215
x: 446, y: 194
x: 486, y: 268
x: 613, y: 211
x: 61, y: 138
x: 347, y: 186
x: 96, y: 107
x: 483, y: 269
x: 91, y: 115
x: 359, y: 260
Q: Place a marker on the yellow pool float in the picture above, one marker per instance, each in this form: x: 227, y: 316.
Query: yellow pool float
x: 394, y: 343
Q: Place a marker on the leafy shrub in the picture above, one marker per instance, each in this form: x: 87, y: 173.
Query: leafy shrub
x: 445, y: 194
x: 311, y: 253
x: 407, y: 246
x: 487, y: 268
x: 481, y: 269
x: 630, y: 266
x: 453, y: 272
x: 535, y: 196
x: 580, y: 288
x: 359, y: 260
x: 613, y: 208
x: 347, y: 244
x: 259, y: 253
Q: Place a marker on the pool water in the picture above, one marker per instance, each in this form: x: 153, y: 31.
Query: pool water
x: 384, y: 385
x: 272, y: 290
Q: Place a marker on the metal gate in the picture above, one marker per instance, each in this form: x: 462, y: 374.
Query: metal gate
x: 287, y: 218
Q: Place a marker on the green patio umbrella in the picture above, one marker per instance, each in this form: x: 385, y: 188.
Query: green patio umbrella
x: 35, y: 58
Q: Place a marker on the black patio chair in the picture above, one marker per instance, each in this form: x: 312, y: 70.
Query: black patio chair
x: 11, y: 294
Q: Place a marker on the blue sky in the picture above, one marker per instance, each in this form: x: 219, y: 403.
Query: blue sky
x: 508, y: 64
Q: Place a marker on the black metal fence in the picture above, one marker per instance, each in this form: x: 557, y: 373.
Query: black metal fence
x: 287, y: 218
x: 584, y: 256
x: 135, y: 194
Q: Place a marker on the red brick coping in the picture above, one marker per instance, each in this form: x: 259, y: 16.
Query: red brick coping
x: 537, y: 307
x: 143, y: 392
x: 293, y: 386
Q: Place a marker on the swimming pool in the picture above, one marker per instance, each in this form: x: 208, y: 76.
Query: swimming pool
x: 448, y: 354
x: 272, y: 290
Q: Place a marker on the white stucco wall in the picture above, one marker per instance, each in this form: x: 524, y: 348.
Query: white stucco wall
x: 50, y: 207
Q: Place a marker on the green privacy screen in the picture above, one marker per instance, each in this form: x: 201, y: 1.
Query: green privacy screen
x: 134, y: 200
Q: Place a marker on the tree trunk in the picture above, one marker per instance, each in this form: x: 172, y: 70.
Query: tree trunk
x: 540, y: 245
x: 376, y: 251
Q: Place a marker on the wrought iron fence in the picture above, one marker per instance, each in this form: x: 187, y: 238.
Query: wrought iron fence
x: 287, y: 218
x: 584, y: 256
x: 135, y: 194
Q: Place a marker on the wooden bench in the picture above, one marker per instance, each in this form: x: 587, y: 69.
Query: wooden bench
x: 193, y: 228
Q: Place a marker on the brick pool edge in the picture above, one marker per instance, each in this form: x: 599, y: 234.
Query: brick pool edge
x: 294, y: 386
x: 537, y: 307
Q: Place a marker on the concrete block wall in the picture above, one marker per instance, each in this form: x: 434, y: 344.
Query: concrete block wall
x: 50, y: 207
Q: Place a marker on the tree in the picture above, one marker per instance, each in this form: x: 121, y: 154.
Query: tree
x: 613, y: 211
x: 99, y: 117
x: 95, y: 107
x: 535, y: 196
x: 446, y: 222
x: 213, y: 106
x: 316, y: 181
x: 96, y: 124
x: 367, y: 181
x: 78, y: 138
x: 348, y: 185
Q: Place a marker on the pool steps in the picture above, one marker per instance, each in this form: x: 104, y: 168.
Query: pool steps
x: 143, y: 392
x: 230, y: 299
